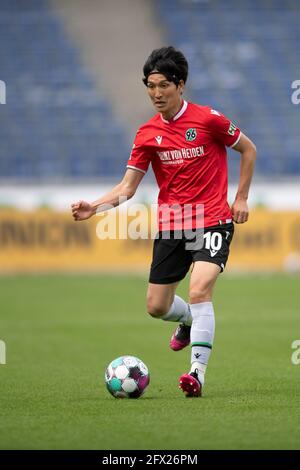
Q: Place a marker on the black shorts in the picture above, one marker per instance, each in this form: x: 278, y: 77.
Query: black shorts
x: 171, y: 260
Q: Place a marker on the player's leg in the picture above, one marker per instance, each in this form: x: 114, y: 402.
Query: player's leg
x: 170, y: 264
x: 203, y: 278
x: 210, y: 260
x: 164, y: 304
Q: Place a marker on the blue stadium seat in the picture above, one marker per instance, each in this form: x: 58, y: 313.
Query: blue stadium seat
x: 55, y: 125
x: 243, y: 57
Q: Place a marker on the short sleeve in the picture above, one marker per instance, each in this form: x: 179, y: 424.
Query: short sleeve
x: 223, y: 129
x: 140, y: 156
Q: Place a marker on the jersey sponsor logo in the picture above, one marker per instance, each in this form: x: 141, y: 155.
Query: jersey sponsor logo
x: 190, y: 134
x: 232, y: 129
x: 213, y: 111
x: 158, y: 139
x: 177, y: 156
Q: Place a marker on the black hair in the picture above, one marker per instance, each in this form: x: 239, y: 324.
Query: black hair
x: 169, y: 62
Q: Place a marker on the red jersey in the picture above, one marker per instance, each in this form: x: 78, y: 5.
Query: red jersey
x: 189, y: 159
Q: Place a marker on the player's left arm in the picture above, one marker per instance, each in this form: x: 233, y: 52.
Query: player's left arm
x: 247, y: 149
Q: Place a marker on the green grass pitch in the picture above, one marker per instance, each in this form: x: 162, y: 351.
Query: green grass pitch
x: 62, y: 331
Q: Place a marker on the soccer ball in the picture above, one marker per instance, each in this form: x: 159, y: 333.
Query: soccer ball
x: 127, y: 377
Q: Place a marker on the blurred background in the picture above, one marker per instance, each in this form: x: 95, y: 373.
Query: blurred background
x: 75, y: 98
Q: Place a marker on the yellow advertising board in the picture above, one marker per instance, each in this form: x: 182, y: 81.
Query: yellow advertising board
x: 45, y: 240
x: 51, y: 241
x: 269, y: 240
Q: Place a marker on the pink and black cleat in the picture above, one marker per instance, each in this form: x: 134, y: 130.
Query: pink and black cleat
x: 181, y: 337
x: 190, y: 385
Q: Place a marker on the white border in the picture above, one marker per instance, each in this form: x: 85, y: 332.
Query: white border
x: 231, y: 146
x: 135, y: 168
x: 178, y: 115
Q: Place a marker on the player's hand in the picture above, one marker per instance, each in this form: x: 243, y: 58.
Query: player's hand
x: 82, y: 210
x: 240, y: 211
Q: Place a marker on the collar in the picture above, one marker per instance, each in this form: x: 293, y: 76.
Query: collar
x: 178, y: 115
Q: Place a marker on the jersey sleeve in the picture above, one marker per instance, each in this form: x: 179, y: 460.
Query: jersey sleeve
x: 223, y: 130
x: 140, y: 156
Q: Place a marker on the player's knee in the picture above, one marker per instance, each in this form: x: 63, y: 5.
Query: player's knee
x: 201, y: 293
x: 156, y: 309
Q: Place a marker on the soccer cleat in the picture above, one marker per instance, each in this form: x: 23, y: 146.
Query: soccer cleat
x: 181, y: 337
x: 190, y: 385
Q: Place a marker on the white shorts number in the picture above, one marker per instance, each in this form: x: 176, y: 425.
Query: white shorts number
x: 213, y: 241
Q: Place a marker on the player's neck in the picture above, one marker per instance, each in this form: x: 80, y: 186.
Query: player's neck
x: 172, y: 112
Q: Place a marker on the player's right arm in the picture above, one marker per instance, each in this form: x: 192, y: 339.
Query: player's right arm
x: 138, y: 163
x: 83, y: 210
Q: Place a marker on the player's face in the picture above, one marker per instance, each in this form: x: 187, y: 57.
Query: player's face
x: 165, y: 95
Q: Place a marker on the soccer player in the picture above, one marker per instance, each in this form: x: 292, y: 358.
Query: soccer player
x: 186, y: 146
